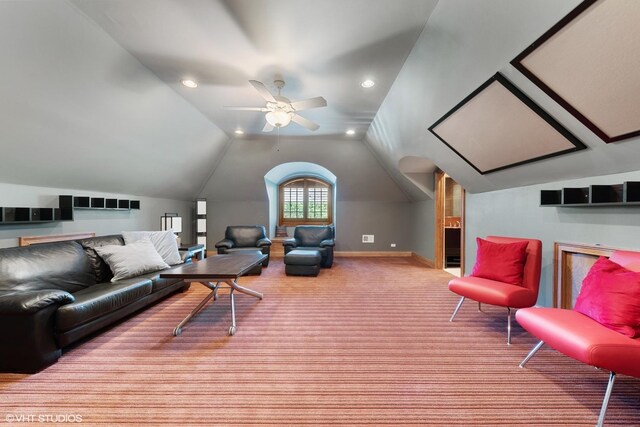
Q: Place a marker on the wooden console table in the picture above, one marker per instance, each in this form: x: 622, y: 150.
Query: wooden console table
x: 194, y: 249
x: 571, y: 263
x: 33, y: 240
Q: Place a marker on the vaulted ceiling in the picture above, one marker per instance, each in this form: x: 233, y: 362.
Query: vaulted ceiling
x: 319, y: 48
x: 90, y: 94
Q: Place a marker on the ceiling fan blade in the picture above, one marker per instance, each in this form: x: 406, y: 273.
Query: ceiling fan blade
x: 262, y: 89
x: 267, y: 128
x: 305, y: 122
x: 306, y: 104
x: 262, y: 109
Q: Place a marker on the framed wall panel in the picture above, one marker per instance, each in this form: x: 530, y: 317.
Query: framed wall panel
x: 571, y: 263
x: 498, y: 127
x: 588, y: 63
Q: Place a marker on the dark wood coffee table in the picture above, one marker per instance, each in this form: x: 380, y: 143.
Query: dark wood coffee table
x: 219, y: 269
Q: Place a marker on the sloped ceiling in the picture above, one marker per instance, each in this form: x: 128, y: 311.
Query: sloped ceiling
x: 90, y: 99
x: 319, y: 48
x: 78, y: 111
x: 463, y: 44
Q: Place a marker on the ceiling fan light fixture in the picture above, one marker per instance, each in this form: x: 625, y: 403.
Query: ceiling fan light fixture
x: 278, y: 118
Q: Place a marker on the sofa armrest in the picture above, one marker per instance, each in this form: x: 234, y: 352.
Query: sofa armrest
x: 225, y: 243
x: 263, y: 242
x: 291, y: 242
x: 28, y: 302
x: 327, y: 242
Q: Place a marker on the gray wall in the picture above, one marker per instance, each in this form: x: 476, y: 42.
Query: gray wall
x: 77, y: 110
x: 368, y: 201
x: 516, y: 212
x: 389, y: 222
x: 99, y: 222
x: 422, y: 229
x: 220, y: 214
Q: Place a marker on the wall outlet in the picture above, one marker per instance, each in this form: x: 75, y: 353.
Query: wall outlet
x: 393, y: 245
x: 367, y: 238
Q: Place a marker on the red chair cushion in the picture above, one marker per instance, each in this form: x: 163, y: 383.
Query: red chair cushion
x: 503, y: 262
x: 576, y: 335
x: 610, y: 295
x: 493, y: 292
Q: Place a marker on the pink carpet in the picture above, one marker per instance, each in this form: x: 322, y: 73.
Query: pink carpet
x: 367, y: 342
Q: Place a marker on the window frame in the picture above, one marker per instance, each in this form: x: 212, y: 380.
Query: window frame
x: 282, y: 221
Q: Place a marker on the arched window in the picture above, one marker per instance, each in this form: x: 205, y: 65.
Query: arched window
x: 305, y: 200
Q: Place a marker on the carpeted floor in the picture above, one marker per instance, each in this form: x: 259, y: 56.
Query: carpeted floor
x: 366, y: 342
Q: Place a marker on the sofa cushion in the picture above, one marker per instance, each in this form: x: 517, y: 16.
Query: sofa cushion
x: 493, y: 292
x: 503, y: 262
x: 100, y: 300
x: 131, y: 260
x: 61, y: 265
x: 101, y: 269
x: 610, y: 295
x: 165, y: 243
x: 156, y: 282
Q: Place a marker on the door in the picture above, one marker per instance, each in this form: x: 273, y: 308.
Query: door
x: 450, y: 198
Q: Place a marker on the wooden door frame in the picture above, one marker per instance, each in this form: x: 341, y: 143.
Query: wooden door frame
x: 439, y: 222
x: 439, y: 225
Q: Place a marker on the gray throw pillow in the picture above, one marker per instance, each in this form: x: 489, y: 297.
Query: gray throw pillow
x: 165, y: 243
x: 131, y: 260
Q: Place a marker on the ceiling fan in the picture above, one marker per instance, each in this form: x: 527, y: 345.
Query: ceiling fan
x: 280, y: 110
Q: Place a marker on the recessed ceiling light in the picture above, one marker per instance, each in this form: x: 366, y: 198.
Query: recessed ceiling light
x: 189, y: 83
x: 367, y: 83
x: 350, y: 132
x: 239, y: 132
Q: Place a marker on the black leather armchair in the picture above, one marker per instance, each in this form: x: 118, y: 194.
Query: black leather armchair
x: 242, y: 238
x: 313, y: 237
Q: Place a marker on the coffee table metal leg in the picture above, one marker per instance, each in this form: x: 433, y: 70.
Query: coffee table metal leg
x: 234, y: 285
x: 214, y: 294
x: 232, y: 328
x: 178, y: 329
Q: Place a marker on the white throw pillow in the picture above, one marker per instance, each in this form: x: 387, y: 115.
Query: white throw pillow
x: 165, y: 243
x: 131, y: 260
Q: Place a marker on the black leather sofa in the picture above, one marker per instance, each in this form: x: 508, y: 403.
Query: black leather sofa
x: 52, y: 295
x: 244, y: 238
x: 320, y: 238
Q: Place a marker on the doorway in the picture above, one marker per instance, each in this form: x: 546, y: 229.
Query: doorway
x: 450, y: 205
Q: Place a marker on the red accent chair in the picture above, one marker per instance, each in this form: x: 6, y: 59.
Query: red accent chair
x: 500, y: 293
x: 579, y: 337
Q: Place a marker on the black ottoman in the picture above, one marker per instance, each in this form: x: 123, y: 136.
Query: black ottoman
x: 300, y: 262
